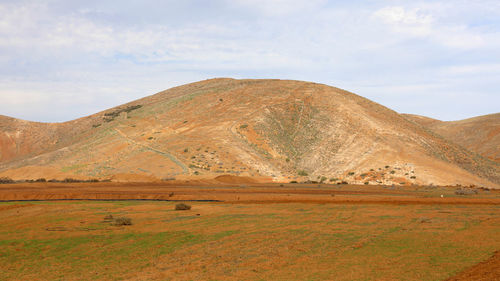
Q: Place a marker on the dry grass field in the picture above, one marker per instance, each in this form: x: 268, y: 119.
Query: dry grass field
x: 305, y: 238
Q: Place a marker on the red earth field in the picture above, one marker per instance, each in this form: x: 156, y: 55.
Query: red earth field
x: 247, y: 231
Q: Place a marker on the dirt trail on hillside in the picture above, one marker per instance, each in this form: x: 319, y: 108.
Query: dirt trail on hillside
x: 170, y: 156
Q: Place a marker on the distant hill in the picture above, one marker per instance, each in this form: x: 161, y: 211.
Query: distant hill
x: 280, y: 129
x: 479, y: 134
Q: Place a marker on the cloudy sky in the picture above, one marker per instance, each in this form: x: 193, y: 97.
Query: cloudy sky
x: 60, y: 59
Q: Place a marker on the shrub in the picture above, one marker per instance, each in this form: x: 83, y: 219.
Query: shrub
x: 41, y: 180
x: 122, y: 221
x: 302, y: 173
x: 71, y: 180
x: 110, y: 116
x: 243, y: 126
x: 393, y: 172
x: 186, y: 150
x: 293, y: 182
x: 465, y: 191
x: 6, y: 180
x: 413, y: 177
x: 367, y: 182
x: 182, y: 206
x: 351, y: 174
x: 424, y: 220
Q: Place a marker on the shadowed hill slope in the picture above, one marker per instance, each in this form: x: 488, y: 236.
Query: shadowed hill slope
x: 479, y: 134
x: 281, y: 129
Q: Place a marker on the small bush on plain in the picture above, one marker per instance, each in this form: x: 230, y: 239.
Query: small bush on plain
x: 122, y: 221
x: 6, y: 180
x: 465, y: 191
x: 182, y: 206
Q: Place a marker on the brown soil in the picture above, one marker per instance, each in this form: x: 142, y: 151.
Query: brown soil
x: 243, y: 193
x: 488, y: 270
x: 235, y: 179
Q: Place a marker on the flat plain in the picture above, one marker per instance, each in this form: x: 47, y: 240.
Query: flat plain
x: 246, y: 232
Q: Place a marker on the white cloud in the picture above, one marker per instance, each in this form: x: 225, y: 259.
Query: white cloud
x: 400, y: 15
x: 110, y: 56
x: 278, y: 7
x: 416, y: 22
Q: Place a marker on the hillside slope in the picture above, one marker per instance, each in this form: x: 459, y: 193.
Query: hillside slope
x: 479, y: 134
x: 279, y: 129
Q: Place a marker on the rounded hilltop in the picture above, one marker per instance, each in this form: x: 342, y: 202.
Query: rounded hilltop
x: 279, y: 130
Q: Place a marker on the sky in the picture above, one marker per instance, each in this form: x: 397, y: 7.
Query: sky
x: 60, y: 60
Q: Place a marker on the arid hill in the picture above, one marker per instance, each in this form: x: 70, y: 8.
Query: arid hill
x: 479, y: 134
x: 282, y: 130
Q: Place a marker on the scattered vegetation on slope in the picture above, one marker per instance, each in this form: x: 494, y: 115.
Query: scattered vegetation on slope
x: 110, y: 116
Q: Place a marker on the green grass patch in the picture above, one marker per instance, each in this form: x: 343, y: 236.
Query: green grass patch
x: 77, y: 254
x: 73, y: 167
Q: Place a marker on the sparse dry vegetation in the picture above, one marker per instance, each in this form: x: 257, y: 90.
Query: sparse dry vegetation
x: 110, y: 116
x: 465, y: 191
x: 122, y: 221
x: 6, y: 180
x: 182, y: 207
x: 302, y: 173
